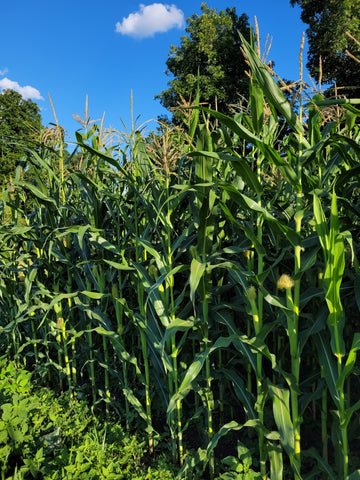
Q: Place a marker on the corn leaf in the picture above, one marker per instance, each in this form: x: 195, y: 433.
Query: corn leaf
x: 270, y: 88
x: 35, y: 191
x: 197, y: 270
x: 240, y: 166
x: 281, y: 409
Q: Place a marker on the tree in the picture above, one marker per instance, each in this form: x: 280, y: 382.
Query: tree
x: 19, y: 120
x: 328, y: 21
x: 212, y: 49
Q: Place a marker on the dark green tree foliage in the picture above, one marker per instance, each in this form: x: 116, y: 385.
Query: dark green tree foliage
x: 19, y: 120
x: 328, y: 21
x: 212, y: 48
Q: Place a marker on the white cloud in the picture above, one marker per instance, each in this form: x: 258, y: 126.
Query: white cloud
x: 26, y: 92
x: 151, y: 19
x: 4, y: 72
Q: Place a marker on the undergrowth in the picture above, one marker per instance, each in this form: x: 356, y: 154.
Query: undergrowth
x: 43, y: 435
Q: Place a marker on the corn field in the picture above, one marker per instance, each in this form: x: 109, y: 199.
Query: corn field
x: 203, y: 284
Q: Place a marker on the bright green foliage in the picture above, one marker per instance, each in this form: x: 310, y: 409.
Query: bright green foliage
x: 20, y: 124
x: 208, y: 303
x: 42, y: 436
x: 211, y: 49
x: 239, y: 468
x: 328, y: 22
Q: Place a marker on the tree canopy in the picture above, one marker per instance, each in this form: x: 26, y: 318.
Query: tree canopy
x: 328, y: 21
x: 19, y: 120
x: 212, y: 49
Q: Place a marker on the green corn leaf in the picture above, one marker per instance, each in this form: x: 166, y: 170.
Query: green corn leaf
x: 224, y: 430
x: 235, y: 426
x: 307, y: 398
x: 270, y: 88
x: 348, y: 237
x: 167, y: 276
x: 86, y: 180
x: 241, y: 392
x: 160, y: 359
x: 322, y: 464
x: 153, y: 294
x: 350, y: 362
x: 281, y: 409
x: 119, y: 266
x: 317, y: 326
x: 19, y: 230
x: 321, y: 227
x: 334, y: 224
x: 120, y: 349
x: 94, y: 295
x: 131, y: 398
x: 103, y: 156
x: 149, y: 248
x: 273, y: 299
x: 222, y: 317
x: 345, y: 176
x: 314, y: 122
x: 257, y: 346
x: 276, y: 461
x: 240, y: 166
x: 142, y: 162
x: 104, y: 244
x: 354, y: 476
x: 268, y: 151
x: 283, y: 164
x: 249, y: 232
x: 195, y: 114
x: 347, y: 414
x: 80, y: 232
x: 186, y: 385
x: 256, y: 106
x: 334, y: 101
x: 328, y: 364
x: 203, y: 164
x: 194, y: 370
x: 184, y: 240
x: 332, y: 244
x: 161, y: 368
x: 309, y: 295
x: 37, y: 161
x: 35, y: 191
x: 58, y: 256
x: 59, y: 298
x: 251, y: 204
x: 176, y: 325
x: 236, y: 127
x: 206, y: 224
x: 239, y: 277
x: 332, y: 278
x: 197, y: 270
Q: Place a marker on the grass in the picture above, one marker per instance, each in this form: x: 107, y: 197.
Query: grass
x: 148, y: 276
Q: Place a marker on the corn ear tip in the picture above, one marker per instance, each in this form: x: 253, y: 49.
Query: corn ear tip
x: 285, y: 282
x: 251, y: 293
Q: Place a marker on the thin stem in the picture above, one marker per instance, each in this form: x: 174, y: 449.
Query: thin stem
x: 210, y: 431
x: 258, y: 319
x: 259, y: 387
x: 91, y: 351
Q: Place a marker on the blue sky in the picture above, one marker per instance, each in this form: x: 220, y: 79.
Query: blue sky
x: 73, y: 48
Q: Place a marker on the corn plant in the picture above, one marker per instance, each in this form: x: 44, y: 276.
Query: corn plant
x: 200, y: 284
